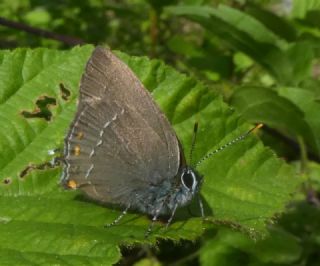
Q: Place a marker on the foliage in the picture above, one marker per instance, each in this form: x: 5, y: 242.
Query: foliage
x: 260, y: 57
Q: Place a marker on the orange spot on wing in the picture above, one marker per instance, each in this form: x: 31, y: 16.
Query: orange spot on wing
x: 80, y: 135
x: 72, y: 184
x: 77, y: 150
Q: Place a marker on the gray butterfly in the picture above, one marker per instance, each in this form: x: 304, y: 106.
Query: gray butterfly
x: 121, y: 149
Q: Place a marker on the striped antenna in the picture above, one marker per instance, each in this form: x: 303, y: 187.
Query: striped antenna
x: 228, y: 144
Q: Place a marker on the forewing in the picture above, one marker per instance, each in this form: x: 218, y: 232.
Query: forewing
x: 119, y: 140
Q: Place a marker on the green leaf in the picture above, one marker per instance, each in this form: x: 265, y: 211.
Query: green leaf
x: 239, y: 20
x: 300, y: 8
x: 180, y: 45
x: 308, y: 102
x: 244, y: 33
x: 40, y: 223
x: 275, y: 23
x: 236, y: 29
x: 300, y: 56
x: 231, y: 248
x: 258, y: 104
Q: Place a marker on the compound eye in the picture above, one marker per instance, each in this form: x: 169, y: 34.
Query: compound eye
x: 188, y: 180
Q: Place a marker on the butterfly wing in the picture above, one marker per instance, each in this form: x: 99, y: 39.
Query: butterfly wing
x: 119, y: 141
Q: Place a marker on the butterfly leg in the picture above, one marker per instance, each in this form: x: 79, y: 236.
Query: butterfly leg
x: 149, y: 230
x: 172, y: 215
x: 154, y: 219
x: 119, y: 217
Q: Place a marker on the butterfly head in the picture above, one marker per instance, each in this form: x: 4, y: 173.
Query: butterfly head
x: 190, y: 180
x: 189, y: 185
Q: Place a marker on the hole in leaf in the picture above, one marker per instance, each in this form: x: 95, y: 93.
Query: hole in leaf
x: 65, y: 93
x: 25, y: 171
x: 42, y: 110
x: 43, y: 166
x: 7, y: 181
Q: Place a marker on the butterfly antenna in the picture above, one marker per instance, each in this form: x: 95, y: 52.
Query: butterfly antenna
x: 229, y: 144
x: 193, y: 144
